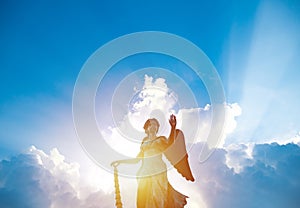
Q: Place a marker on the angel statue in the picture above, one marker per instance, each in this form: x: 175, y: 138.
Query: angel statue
x: 154, y: 189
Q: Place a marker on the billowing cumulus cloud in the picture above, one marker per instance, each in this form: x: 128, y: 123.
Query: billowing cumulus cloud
x: 203, y: 116
x: 157, y: 100
x: 35, y: 179
x: 261, y: 175
x: 268, y: 177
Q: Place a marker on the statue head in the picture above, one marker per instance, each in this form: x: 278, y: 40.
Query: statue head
x: 151, y: 125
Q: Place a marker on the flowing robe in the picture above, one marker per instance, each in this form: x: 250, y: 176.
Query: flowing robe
x: 154, y: 189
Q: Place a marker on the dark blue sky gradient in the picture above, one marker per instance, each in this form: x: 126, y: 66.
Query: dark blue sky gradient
x: 46, y: 43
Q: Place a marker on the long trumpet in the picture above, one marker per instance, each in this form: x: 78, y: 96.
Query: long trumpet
x: 117, y: 189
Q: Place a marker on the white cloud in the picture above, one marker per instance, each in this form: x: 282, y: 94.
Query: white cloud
x: 56, y: 165
x: 37, y: 179
x: 286, y: 140
x: 203, y: 119
x: 239, y: 156
x: 156, y: 100
x: 269, y: 177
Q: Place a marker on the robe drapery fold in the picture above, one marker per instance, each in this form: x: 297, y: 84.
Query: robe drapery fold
x: 154, y: 189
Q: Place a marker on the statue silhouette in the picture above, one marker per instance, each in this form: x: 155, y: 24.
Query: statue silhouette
x: 154, y: 189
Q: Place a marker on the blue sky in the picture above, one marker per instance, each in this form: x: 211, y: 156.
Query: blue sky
x: 254, y: 46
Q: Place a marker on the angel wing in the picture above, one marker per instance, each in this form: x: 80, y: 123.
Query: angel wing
x: 177, y: 155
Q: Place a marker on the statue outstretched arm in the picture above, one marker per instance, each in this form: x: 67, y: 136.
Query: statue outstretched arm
x: 128, y: 161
